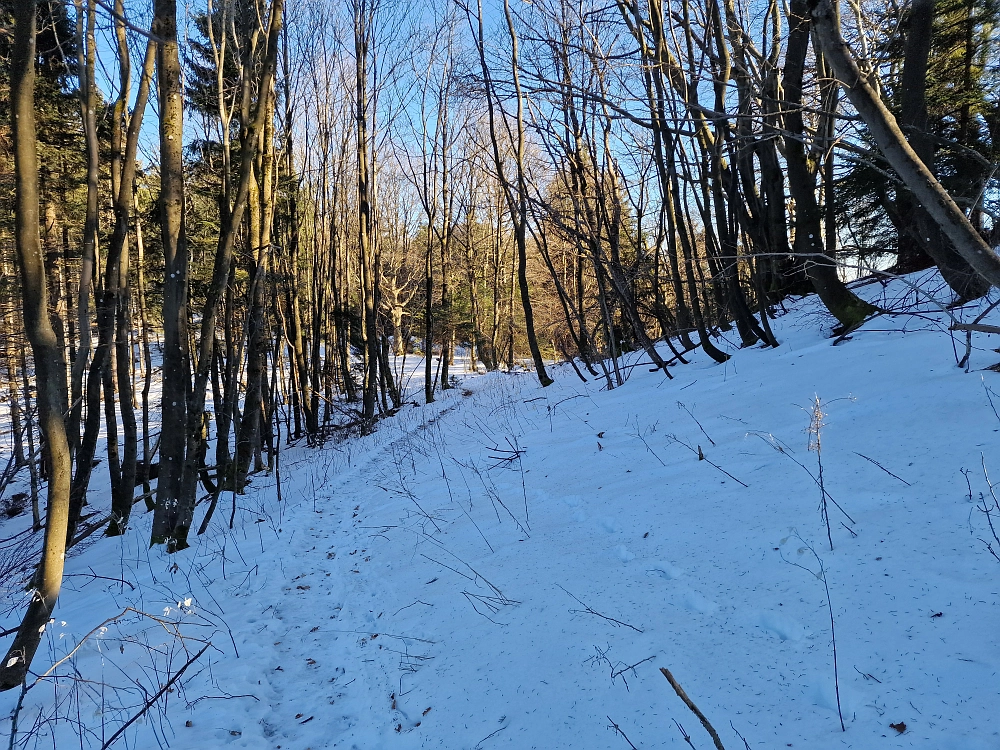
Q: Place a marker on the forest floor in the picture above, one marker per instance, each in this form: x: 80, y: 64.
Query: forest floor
x: 511, y: 567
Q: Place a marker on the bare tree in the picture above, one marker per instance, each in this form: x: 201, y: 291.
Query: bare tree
x: 172, y: 517
x: 50, y: 362
x: 803, y: 166
x: 515, y: 192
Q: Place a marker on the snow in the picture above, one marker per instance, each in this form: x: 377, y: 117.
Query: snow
x: 511, y: 566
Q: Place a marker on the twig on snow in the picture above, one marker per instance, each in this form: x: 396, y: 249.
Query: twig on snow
x: 882, y: 468
x: 694, y: 709
x: 587, y: 609
x: 638, y: 434
x: 630, y: 668
x: 745, y: 743
x: 868, y: 675
x: 684, y: 735
x: 618, y: 730
x: 989, y: 395
x: 493, y: 733
x: 691, y: 414
x: 701, y: 457
x: 772, y: 441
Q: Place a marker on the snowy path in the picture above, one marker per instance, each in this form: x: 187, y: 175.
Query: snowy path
x: 511, y: 566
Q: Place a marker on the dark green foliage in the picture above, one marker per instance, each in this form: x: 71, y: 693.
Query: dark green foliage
x: 963, y: 107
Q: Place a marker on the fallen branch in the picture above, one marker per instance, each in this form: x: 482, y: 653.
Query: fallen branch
x: 987, y: 509
x: 977, y: 327
x: 694, y: 709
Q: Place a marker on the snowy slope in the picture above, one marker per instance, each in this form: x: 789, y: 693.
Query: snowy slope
x: 512, y: 566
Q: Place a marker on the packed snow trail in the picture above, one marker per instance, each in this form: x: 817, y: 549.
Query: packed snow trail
x: 510, y: 566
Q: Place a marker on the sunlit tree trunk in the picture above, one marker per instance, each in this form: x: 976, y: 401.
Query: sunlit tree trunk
x: 50, y: 362
x: 845, y: 306
x: 173, y: 514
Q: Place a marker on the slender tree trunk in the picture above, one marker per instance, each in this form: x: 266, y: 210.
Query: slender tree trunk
x: 365, y: 215
x: 822, y: 269
x: 147, y: 357
x: 249, y: 437
x: 113, y: 306
x: 86, y: 53
x: 257, y: 122
x: 923, y: 242
x: 173, y: 514
x: 516, y: 194
x: 50, y: 363
x: 428, y: 319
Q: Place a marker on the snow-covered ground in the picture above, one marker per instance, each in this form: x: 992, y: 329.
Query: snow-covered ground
x: 512, y: 566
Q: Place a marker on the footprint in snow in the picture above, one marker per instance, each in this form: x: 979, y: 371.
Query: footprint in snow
x: 665, y: 570
x: 694, y: 602
x: 608, y: 523
x: 823, y: 693
x: 784, y: 627
x: 624, y: 554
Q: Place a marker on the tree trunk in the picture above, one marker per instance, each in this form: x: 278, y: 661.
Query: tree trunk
x: 821, y: 269
x: 517, y: 195
x: 173, y: 514
x: 86, y: 53
x: 922, y: 241
x: 121, y: 501
x: 365, y: 217
x: 50, y: 363
x: 892, y: 143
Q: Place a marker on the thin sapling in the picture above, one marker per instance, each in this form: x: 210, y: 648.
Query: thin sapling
x: 987, y: 508
x: 815, y: 431
x: 820, y: 573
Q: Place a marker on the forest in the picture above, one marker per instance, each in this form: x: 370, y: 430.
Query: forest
x: 235, y: 228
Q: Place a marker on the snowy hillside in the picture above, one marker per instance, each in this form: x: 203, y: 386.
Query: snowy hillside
x: 511, y: 567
